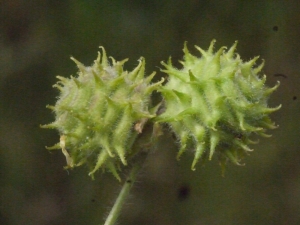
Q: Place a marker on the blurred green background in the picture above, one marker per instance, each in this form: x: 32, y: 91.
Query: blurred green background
x: 37, y: 39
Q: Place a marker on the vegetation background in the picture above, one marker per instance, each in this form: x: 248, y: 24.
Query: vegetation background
x: 37, y: 39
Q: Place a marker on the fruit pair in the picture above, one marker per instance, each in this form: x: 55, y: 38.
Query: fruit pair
x: 213, y: 105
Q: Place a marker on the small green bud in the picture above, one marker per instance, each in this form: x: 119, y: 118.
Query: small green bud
x: 100, y: 112
x: 215, y: 103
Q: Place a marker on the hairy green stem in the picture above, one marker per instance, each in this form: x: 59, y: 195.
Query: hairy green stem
x: 116, y: 209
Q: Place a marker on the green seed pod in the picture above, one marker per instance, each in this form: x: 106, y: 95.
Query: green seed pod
x: 215, y: 103
x: 100, y: 112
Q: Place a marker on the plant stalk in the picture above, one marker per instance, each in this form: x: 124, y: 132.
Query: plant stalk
x: 116, y: 209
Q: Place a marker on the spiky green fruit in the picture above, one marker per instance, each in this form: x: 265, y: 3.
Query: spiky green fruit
x: 215, y: 103
x: 100, y: 112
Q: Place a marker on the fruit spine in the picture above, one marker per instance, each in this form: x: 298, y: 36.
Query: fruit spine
x: 215, y: 103
x: 100, y: 112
